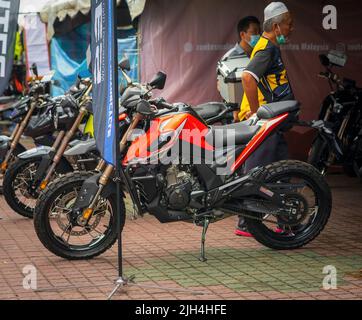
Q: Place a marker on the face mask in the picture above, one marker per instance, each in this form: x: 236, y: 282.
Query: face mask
x: 254, y: 40
x: 281, y: 38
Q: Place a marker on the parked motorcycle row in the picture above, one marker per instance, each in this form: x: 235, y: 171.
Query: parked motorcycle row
x: 71, y: 193
x: 341, y: 113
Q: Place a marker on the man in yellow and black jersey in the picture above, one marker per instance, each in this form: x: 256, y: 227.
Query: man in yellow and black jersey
x: 265, y: 80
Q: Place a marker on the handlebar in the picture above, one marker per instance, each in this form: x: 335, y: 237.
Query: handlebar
x: 161, y: 103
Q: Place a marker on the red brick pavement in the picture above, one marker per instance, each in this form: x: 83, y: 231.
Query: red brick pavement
x: 166, y: 255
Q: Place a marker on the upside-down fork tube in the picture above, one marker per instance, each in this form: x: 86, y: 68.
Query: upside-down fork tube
x: 13, y: 134
x: 343, y: 127
x: 46, y: 161
x: 58, y: 156
x: 104, y: 179
x: 101, y: 165
x: 329, y: 136
x: 123, y: 143
x: 17, y: 137
x: 87, y: 213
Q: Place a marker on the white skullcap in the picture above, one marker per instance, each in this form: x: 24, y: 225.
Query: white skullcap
x: 274, y: 9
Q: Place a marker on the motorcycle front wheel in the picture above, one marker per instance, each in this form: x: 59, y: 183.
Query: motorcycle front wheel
x: 17, y: 181
x: 310, y: 201
x: 56, y: 232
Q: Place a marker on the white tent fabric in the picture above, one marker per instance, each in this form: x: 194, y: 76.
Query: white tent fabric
x: 36, y: 45
x: 31, y: 6
x: 50, y: 10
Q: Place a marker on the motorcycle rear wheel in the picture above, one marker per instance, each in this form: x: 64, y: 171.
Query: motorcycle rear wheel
x: 296, y: 235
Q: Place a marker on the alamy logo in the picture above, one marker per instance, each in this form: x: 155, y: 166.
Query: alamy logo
x: 30, y: 281
x: 330, y: 280
x: 330, y: 20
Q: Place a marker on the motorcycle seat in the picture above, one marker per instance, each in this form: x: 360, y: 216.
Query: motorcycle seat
x: 272, y: 110
x: 237, y: 133
x: 210, y: 109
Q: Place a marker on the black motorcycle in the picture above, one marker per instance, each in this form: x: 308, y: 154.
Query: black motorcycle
x: 342, y: 118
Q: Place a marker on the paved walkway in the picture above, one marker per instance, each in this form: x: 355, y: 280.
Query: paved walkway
x: 167, y: 255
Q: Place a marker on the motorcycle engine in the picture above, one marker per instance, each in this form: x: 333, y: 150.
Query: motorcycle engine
x: 180, y: 184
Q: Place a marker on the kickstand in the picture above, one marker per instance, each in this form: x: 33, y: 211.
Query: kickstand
x: 203, y: 239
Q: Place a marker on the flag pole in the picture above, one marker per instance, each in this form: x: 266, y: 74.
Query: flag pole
x: 121, y: 281
x: 117, y: 135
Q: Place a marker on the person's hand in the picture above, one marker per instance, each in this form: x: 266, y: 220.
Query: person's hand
x: 248, y: 115
x: 236, y: 116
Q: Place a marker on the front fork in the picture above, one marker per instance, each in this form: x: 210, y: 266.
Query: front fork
x: 15, y: 137
x: 44, y: 164
x: 63, y: 146
x: 108, y: 171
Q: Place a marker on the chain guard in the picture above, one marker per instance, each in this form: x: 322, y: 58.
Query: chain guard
x: 266, y: 208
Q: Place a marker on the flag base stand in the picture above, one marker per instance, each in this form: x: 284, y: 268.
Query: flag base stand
x: 122, y: 283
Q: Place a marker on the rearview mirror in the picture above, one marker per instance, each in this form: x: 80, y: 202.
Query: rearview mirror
x: 324, y: 60
x: 124, y: 64
x: 159, y: 81
x: 78, y: 81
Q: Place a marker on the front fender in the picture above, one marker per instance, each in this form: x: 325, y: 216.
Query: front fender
x: 81, y: 147
x: 90, y: 188
x: 4, y: 146
x: 35, y: 152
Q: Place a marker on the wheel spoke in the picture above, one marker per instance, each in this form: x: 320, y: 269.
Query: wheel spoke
x: 77, y: 237
x: 65, y: 230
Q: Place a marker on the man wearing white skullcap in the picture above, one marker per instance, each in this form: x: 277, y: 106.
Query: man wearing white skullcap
x: 265, y: 81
